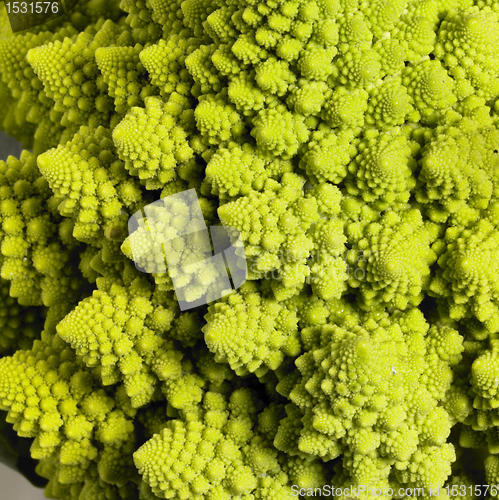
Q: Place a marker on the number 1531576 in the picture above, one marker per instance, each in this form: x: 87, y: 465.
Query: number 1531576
x: 32, y: 7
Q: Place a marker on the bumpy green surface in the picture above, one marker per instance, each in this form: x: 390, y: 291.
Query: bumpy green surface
x: 354, y: 145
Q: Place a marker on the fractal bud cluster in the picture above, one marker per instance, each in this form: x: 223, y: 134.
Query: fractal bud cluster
x: 353, y: 146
